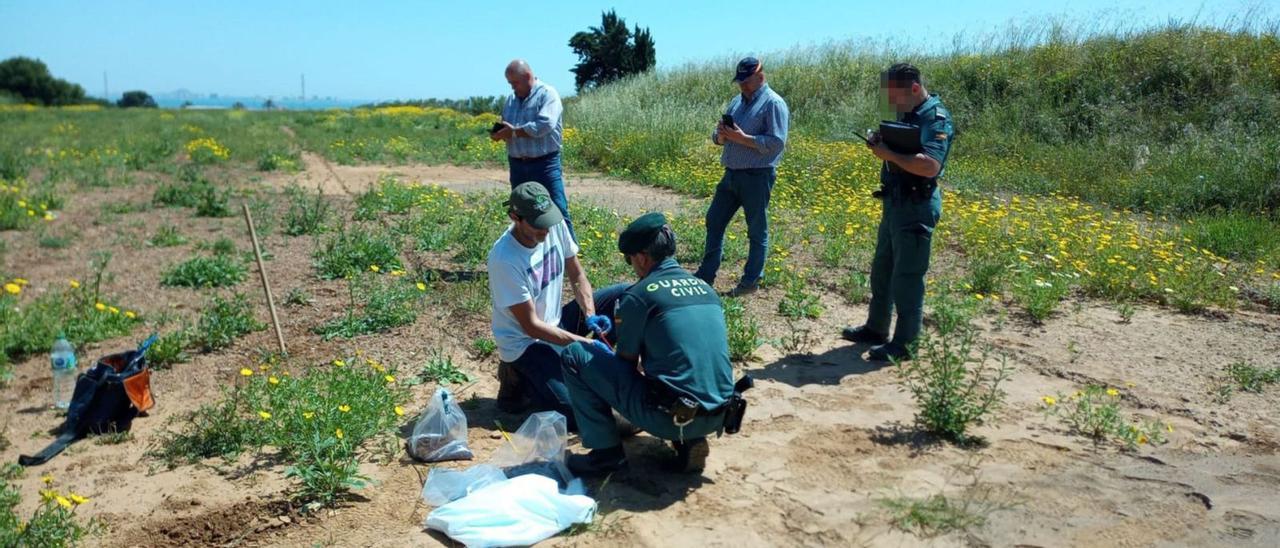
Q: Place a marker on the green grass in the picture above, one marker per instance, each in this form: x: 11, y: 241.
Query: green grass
x: 202, y: 272
x: 224, y: 320
x: 30, y: 322
x: 933, y: 516
x: 167, y: 236
x: 318, y: 421
x: 354, y: 249
x: 307, y: 214
x: 440, y: 369
x: 376, y: 303
x: 1251, y: 378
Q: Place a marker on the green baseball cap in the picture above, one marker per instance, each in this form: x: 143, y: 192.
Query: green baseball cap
x: 531, y: 202
x: 640, y: 233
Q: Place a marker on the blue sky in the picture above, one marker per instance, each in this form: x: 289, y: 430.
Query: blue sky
x: 402, y: 49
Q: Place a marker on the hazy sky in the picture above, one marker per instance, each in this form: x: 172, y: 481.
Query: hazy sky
x: 402, y: 49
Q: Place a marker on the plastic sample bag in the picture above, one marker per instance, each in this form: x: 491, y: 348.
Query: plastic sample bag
x: 441, y: 433
x: 537, y: 447
x: 516, y: 512
x: 444, y: 486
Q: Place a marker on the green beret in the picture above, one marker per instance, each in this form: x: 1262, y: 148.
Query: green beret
x: 640, y: 233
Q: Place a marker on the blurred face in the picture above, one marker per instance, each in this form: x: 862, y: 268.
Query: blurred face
x: 902, y: 96
x: 640, y: 263
x: 752, y: 83
x: 521, y: 84
x: 526, y: 233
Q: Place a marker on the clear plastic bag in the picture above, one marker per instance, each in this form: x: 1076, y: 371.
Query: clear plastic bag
x: 444, y: 486
x: 537, y: 447
x: 441, y: 433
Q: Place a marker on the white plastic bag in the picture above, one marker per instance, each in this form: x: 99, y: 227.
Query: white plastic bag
x: 516, y: 512
x: 444, y: 486
x: 441, y: 433
x: 537, y: 447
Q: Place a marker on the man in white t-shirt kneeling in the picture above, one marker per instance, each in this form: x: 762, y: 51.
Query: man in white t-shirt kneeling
x: 527, y: 268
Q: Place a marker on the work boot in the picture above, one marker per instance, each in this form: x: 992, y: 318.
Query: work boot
x: 599, y: 462
x: 510, y: 396
x: 863, y: 335
x: 890, y: 352
x: 744, y: 289
x: 691, y: 456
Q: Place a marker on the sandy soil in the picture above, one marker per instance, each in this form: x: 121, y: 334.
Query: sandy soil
x: 828, y: 435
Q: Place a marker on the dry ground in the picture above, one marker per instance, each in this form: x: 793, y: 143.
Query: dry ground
x: 828, y: 435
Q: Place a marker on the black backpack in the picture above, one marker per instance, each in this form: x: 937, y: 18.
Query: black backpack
x: 107, y: 398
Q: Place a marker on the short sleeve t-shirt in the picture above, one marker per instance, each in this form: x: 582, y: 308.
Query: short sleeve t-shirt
x: 518, y: 274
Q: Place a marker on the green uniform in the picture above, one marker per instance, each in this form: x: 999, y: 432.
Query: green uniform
x: 674, y: 323
x: 911, y: 207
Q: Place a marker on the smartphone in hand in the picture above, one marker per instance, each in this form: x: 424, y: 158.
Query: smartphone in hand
x: 496, y: 127
x: 727, y: 120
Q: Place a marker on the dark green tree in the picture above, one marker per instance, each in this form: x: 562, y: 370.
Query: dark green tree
x: 136, y: 99
x: 611, y: 51
x: 29, y: 79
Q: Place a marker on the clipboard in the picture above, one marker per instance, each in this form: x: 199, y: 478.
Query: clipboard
x: 901, y: 137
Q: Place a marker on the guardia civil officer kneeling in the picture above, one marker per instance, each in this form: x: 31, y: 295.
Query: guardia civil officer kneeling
x: 670, y: 375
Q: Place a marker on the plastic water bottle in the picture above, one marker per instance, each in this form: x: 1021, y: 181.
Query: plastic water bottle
x: 63, y: 357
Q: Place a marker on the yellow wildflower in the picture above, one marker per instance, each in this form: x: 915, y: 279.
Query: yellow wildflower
x: 389, y: 378
x: 308, y: 415
x: 344, y: 408
x: 20, y: 281
x: 339, y: 363
x: 399, y: 411
x: 129, y: 314
x: 338, y: 433
x: 78, y: 500
x: 74, y: 284
x: 273, y: 380
x: 113, y: 309
x: 374, y: 268
x: 1049, y: 400
x: 422, y: 286
x: 63, y: 502
x: 47, y: 479
x: 265, y: 415
x: 246, y: 372
x: 12, y: 288
x: 1113, y: 392
x: 101, y: 307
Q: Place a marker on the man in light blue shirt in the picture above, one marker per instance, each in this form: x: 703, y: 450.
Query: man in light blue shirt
x: 753, y: 146
x: 532, y: 128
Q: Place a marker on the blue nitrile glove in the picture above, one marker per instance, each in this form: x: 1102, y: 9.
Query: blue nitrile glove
x: 599, y: 324
x: 600, y: 345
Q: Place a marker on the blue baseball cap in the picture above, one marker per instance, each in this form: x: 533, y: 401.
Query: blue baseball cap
x: 747, y: 67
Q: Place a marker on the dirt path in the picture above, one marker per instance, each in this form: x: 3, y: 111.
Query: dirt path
x: 827, y: 436
x: 336, y: 180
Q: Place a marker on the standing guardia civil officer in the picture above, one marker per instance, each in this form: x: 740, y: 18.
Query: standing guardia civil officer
x: 911, y: 207
x: 753, y: 145
x: 533, y: 129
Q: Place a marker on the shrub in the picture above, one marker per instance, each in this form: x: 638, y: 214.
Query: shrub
x: 216, y: 271
x: 318, y: 421
x: 351, y: 251
x: 744, y: 331
x: 387, y: 302
x: 223, y: 321
x: 1095, y: 412
x: 306, y: 215
x: 167, y: 236
x: 953, y: 388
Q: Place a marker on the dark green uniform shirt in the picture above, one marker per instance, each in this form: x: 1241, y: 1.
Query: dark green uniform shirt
x: 936, y: 133
x: 675, y: 323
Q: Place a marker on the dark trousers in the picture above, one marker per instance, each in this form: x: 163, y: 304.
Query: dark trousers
x: 749, y: 189
x: 545, y: 170
x: 539, y: 367
x: 901, y: 260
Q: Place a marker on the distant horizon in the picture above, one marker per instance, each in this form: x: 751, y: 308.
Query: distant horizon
x: 243, y: 50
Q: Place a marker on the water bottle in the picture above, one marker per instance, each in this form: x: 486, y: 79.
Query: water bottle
x: 63, y: 357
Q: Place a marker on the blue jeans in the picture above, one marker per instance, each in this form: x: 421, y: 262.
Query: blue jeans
x: 545, y: 170
x: 749, y: 189
x: 599, y: 382
x: 539, y: 367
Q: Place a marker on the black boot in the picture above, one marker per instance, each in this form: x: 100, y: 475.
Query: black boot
x: 863, y: 335
x: 691, y: 456
x: 599, y: 462
x: 890, y: 352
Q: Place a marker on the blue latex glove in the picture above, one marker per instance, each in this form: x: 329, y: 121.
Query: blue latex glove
x: 600, y: 345
x: 599, y: 324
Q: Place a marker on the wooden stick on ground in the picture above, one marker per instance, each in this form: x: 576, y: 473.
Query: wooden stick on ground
x: 271, y: 302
